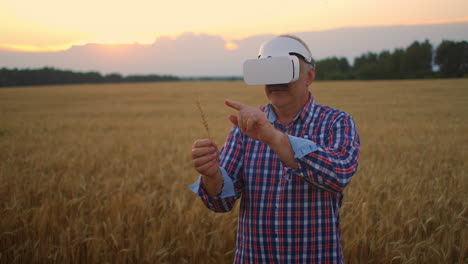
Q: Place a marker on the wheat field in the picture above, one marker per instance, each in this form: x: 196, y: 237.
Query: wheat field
x: 99, y: 173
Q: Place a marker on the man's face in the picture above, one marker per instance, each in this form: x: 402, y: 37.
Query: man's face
x: 293, y: 94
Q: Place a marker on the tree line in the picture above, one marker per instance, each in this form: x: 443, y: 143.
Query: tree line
x: 48, y: 76
x: 419, y: 60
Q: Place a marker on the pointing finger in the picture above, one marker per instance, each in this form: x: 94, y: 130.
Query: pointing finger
x: 236, y: 105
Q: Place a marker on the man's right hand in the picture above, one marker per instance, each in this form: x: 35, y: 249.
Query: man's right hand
x: 205, y: 157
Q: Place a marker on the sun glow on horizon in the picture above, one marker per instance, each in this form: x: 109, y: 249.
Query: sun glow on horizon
x: 231, y: 46
x: 30, y: 48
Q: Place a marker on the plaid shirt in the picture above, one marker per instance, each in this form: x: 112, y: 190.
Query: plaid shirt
x: 287, y: 215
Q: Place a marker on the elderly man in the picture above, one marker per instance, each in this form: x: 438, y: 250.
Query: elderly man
x: 289, y: 161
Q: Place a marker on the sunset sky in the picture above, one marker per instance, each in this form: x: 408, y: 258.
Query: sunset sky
x: 57, y: 24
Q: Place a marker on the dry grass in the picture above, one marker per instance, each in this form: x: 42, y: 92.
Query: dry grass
x: 203, y: 117
x: 99, y: 173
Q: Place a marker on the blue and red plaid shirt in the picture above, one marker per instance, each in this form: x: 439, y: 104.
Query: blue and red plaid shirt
x: 287, y: 215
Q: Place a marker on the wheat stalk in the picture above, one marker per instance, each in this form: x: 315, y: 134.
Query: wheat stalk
x: 203, y: 117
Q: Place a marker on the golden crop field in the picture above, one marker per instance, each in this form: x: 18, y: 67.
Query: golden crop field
x: 100, y: 173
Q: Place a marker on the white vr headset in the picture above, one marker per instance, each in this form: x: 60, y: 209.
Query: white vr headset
x: 277, y: 62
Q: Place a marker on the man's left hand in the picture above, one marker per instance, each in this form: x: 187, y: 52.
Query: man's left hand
x: 253, y: 122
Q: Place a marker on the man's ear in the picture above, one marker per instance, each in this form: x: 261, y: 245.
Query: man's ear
x: 310, y: 76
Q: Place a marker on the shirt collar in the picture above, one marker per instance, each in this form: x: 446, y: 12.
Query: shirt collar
x: 304, y: 114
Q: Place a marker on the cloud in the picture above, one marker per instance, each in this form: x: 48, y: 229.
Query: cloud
x: 192, y: 54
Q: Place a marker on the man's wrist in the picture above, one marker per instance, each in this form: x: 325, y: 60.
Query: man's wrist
x: 281, y: 146
x: 213, y: 184
x: 276, y: 139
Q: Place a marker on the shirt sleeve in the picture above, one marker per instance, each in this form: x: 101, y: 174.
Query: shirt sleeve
x: 231, y: 160
x: 301, y: 146
x: 329, y: 167
x: 228, y: 185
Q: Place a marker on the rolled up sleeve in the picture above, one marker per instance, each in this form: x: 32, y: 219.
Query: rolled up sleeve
x: 329, y: 167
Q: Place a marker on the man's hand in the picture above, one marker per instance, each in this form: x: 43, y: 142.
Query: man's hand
x: 205, y: 157
x: 253, y: 122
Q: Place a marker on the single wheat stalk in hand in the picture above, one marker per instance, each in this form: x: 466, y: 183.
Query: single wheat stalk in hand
x: 203, y: 117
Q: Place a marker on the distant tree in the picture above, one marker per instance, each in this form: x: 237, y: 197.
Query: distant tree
x: 364, y: 59
x: 417, y: 60
x: 333, y: 69
x: 384, y: 66
x: 151, y: 78
x: 92, y: 77
x: 366, y: 66
x: 396, y: 61
x: 113, y: 78
x: 343, y: 65
x: 452, y: 58
x: 47, y: 75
